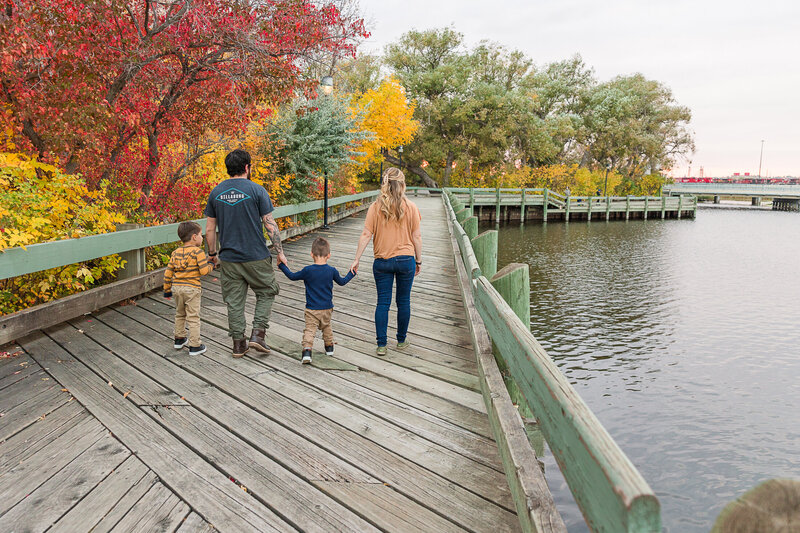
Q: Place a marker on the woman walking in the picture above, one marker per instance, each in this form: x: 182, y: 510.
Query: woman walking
x: 393, y: 224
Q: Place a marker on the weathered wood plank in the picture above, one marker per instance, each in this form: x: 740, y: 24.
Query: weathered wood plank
x: 194, y: 523
x: 459, y: 469
x: 406, y: 476
x: 50, y: 500
x: 105, y: 496
x: 158, y: 510
x: 28, y: 412
x: 208, y: 491
x: 297, y: 501
x: 611, y: 493
x: 40, y: 462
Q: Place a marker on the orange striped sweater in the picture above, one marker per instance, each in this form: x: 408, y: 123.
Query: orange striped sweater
x: 185, y: 267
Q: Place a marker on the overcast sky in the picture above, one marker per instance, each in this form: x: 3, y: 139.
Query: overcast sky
x: 735, y: 64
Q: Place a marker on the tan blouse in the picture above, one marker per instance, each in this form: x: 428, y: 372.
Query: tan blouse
x: 391, y: 238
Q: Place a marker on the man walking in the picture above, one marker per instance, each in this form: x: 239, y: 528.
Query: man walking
x: 239, y: 208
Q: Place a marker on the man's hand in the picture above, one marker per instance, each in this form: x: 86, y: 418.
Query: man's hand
x: 419, y: 267
x: 214, y: 260
x: 282, y: 259
x: 354, y: 267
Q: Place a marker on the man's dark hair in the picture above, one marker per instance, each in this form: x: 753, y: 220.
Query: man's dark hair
x: 320, y: 247
x: 236, y: 162
x: 187, y: 229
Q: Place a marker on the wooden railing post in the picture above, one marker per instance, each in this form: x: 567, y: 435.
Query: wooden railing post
x: 566, y: 209
x: 463, y: 214
x: 485, y: 247
x: 663, y: 206
x: 472, y: 197
x: 680, y: 205
x: 470, y: 225
x: 627, y: 207
x: 522, y: 208
x: 646, y: 203
x: 497, y: 206
x: 135, y: 262
x: 514, y: 286
x: 544, y: 205
x: 608, y: 208
x: 589, y: 209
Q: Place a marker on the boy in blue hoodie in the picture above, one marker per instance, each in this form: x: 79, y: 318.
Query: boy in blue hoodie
x: 318, y: 279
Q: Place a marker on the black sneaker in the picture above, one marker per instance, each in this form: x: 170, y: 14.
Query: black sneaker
x: 329, y: 350
x: 197, y: 350
x: 180, y: 342
x: 306, y: 360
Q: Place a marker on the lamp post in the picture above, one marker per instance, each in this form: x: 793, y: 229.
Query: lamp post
x: 326, y: 83
x: 760, y: 158
x: 400, y: 153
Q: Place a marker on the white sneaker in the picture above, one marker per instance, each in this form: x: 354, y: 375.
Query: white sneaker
x: 329, y: 350
x: 306, y: 360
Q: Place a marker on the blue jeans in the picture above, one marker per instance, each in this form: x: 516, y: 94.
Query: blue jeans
x: 402, y: 268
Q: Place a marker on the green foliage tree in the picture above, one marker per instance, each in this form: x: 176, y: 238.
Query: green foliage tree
x: 485, y: 108
x: 315, y: 137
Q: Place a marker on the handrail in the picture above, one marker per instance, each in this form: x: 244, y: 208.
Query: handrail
x: 610, y: 491
x: 19, y: 261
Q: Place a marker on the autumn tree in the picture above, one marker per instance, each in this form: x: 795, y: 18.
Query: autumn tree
x: 88, y: 84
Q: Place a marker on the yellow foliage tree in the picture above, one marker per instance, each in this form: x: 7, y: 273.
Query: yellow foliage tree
x: 39, y: 203
x: 389, y: 115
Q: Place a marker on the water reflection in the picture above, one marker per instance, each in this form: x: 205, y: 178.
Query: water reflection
x: 682, y: 336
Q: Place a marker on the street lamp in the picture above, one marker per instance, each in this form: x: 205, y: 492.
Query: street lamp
x: 760, y: 158
x: 326, y: 83
x: 400, y: 152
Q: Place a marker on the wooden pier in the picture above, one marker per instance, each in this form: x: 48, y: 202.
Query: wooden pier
x: 544, y: 205
x: 106, y: 427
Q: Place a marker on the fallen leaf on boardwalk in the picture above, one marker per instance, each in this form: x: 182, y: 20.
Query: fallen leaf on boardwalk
x: 17, y: 372
x: 45, y: 379
x: 7, y: 355
x: 42, y: 417
x: 80, y: 331
x: 2, y: 415
x: 70, y: 399
x: 126, y: 394
x: 244, y: 488
x: 110, y: 384
x: 64, y: 390
x: 182, y: 398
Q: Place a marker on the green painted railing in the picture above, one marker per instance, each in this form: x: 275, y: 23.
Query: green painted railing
x: 611, y: 493
x: 20, y: 261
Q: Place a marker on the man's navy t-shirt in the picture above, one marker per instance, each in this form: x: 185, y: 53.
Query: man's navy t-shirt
x: 238, y: 204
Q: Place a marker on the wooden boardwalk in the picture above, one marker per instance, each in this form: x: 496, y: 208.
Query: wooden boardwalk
x: 105, y: 426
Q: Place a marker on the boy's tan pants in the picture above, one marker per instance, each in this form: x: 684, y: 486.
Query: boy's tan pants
x: 318, y: 319
x: 187, y: 312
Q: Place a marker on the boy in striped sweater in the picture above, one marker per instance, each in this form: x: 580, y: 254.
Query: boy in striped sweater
x: 182, y: 280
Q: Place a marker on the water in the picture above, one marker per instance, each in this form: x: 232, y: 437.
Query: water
x: 683, y: 336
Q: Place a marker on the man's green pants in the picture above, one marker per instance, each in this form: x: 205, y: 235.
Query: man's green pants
x: 235, y: 279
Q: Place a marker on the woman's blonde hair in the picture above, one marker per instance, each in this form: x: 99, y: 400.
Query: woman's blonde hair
x: 393, y: 192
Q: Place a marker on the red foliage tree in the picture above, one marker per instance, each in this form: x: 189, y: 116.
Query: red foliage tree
x: 91, y: 84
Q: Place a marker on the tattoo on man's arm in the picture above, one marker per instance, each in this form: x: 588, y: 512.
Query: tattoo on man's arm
x: 274, y: 233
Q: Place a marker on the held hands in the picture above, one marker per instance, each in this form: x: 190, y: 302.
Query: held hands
x: 282, y: 259
x: 354, y: 267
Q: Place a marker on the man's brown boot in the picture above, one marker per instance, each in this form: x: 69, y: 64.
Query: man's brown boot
x: 257, y: 340
x: 239, y: 348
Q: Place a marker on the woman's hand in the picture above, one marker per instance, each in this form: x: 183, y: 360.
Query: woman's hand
x: 354, y: 267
